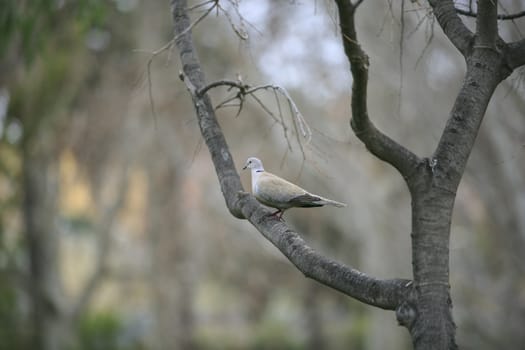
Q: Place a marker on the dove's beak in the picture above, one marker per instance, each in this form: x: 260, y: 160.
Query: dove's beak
x: 244, y: 167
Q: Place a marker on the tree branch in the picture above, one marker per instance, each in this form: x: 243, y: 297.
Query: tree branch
x: 453, y: 27
x: 387, y: 294
x: 501, y: 17
x: 516, y: 54
x: 229, y: 179
x: 487, y: 23
x: 378, y: 143
x: 487, y: 66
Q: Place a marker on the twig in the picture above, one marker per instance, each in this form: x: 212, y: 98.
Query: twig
x: 506, y: 17
x: 245, y: 90
x: 189, y: 9
x: 266, y: 109
x: 298, y: 121
x: 241, y: 32
x: 285, y: 128
x: 168, y: 46
x: 429, y: 40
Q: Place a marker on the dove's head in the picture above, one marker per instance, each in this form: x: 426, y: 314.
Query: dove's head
x: 253, y: 163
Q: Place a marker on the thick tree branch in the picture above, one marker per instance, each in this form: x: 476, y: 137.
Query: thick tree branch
x: 487, y: 66
x: 453, y: 27
x: 387, y: 294
x: 462, y: 127
x: 378, y: 143
x: 229, y: 179
x: 516, y: 54
x: 487, y: 23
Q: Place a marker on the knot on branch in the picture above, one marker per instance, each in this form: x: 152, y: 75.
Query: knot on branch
x: 406, y: 314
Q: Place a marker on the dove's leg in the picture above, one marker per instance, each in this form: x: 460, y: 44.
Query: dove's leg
x: 279, y: 214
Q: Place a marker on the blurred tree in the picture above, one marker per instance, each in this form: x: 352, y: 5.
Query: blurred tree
x: 424, y: 304
x: 172, y: 276
x: 41, y: 51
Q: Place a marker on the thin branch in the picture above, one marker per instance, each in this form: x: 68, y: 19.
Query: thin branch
x: 501, y: 17
x: 189, y: 9
x: 239, y: 31
x: 168, y: 46
x: 153, y: 54
x: 298, y: 119
x: 267, y: 110
x: 235, y: 84
x: 516, y: 26
x: 281, y: 116
x: 430, y: 37
x: 378, y: 143
x: 453, y: 27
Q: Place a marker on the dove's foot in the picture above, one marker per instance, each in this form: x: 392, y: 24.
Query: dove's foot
x: 278, y: 214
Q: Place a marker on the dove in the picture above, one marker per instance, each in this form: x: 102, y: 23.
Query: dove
x: 275, y: 192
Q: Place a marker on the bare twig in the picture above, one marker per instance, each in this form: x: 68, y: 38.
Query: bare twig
x: 240, y: 31
x: 298, y: 119
x: 430, y: 28
x: 167, y: 47
x: 194, y: 7
x: 285, y: 128
x: 266, y: 109
x: 501, y: 17
x: 401, y: 52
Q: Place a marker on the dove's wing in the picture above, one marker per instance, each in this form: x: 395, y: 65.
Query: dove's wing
x: 276, y: 192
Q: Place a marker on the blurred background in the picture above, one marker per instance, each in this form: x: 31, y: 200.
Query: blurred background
x: 113, y: 230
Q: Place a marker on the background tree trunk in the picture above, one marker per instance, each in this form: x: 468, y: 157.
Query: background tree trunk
x: 40, y: 205
x: 172, y: 267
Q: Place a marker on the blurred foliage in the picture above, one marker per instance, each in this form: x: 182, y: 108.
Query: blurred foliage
x: 270, y: 334
x: 33, y: 101
x: 274, y: 335
x: 40, y: 45
x: 102, y: 331
x: 28, y: 25
x: 10, y: 319
x: 77, y: 224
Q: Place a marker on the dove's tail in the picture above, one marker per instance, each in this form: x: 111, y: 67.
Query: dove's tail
x: 325, y: 201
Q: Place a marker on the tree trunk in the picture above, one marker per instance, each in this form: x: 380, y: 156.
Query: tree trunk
x: 432, y: 326
x: 39, y: 212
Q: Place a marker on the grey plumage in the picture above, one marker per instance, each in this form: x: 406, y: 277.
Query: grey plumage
x: 275, y: 192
